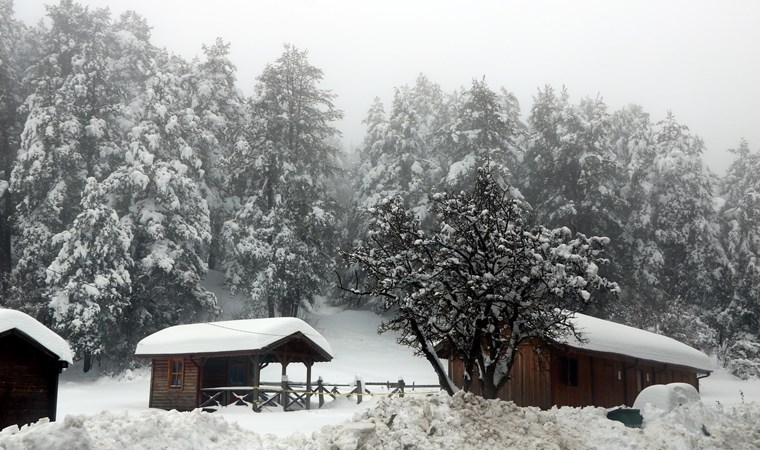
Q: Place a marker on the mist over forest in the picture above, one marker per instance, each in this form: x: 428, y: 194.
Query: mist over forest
x: 128, y: 172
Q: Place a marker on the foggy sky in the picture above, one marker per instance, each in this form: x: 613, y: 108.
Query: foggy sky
x: 701, y: 60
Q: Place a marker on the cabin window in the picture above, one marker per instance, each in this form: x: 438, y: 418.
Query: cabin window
x: 176, y: 372
x: 639, y: 380
x: 568, y: 371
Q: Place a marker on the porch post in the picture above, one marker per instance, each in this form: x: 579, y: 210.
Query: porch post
x: 308, y: 384
x: 256, y: 382
x: 284, y: 395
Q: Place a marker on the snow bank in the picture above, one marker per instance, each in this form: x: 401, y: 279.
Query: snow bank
x: 226, y: 336
x: 605, y: 336
x: 10, y: 319
x: 667, y: 397
x: 151, y: 429
x: 464, y: 421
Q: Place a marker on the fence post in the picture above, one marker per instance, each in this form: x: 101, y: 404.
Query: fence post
x: 359, y: 389
x: 320, y: 389
x: 401, y: 385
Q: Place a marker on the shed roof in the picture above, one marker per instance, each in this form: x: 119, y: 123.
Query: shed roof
x: 16, y: 320
x: 610, y: 337
x: 249, y: 335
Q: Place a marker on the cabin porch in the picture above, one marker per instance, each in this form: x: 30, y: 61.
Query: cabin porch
x: 236, y: 379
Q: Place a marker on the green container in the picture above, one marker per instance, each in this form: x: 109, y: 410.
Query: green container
x: 627, y: 416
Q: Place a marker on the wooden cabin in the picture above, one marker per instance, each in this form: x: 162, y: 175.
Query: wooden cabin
x: 609, y: 368
x: 31, y: 358
x: 189, y: 360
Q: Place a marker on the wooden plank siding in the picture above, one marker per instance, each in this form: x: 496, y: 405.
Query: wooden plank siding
x: 607, y: 385
x: 164, y: 396
x: 637, y: 378
x: 28, y: 381
x: 676, y: 375
x: 565, y: 395
x: 530, y: 384
x: 602, y: 379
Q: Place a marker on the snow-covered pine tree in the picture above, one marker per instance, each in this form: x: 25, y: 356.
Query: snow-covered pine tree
x: 90, y: 282
x: 374, y: 141
x: 170, y: 225
x: 132, y: 261
x: 676, y: 249
x: 440, y: 141
x: 11, y: 123
x: 156, y: 192
x: 426, y: 99
x: 482, y: 282
x: 71, y: 133
x: 540, y: 170
x: 132, y: 58
x: 280, y: 242
x: 150, y: 198
x: 739, y: 322
x: 687, y: 221
x: 353, y: 217
x: 632, y: 137
x: 573, y: 175
x: 220, y: 106
x: 371, y: 154
x: 402, y: 166
x: 486, y: 127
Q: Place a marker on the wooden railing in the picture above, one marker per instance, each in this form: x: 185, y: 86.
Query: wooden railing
x: 292, y: 395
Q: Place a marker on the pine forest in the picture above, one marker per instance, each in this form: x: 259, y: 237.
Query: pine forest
x: 128, y: 172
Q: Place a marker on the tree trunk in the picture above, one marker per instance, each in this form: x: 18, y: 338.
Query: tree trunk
x: 469, y: 376
x: 487, y: 387
x: 270, y: 306
x: 6, y: 209
x: 443, y: 378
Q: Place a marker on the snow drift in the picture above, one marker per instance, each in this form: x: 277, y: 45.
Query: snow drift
x: 464, y: 421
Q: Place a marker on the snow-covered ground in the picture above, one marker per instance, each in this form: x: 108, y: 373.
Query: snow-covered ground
x: 112, y: 412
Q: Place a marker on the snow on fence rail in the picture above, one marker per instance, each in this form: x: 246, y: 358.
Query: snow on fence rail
x: 290, y: 394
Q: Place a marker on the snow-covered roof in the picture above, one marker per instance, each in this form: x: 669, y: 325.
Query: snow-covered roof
x: 11, y: 319
x: 610, y: 337
x: 227, y: 336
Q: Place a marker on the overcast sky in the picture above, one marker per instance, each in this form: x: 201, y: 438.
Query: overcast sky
x: 700, y: 60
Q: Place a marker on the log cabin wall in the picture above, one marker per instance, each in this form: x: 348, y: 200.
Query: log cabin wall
x: 28, y: 382
x: 574, y: 377
x: 164, y: 396
x: 530, y: 382
x: 571, y: 379
x: 638, y: 376
x: 670, y: 374
x: 607, y: 383
x: 614, y: 379
x: 456, y: 371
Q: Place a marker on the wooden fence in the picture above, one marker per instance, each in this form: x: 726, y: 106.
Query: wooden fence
x: 294, y: 395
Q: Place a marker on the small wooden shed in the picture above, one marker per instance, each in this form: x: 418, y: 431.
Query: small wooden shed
x: 188, y: 360
x: 608, y: 368
x: 31, y: 358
